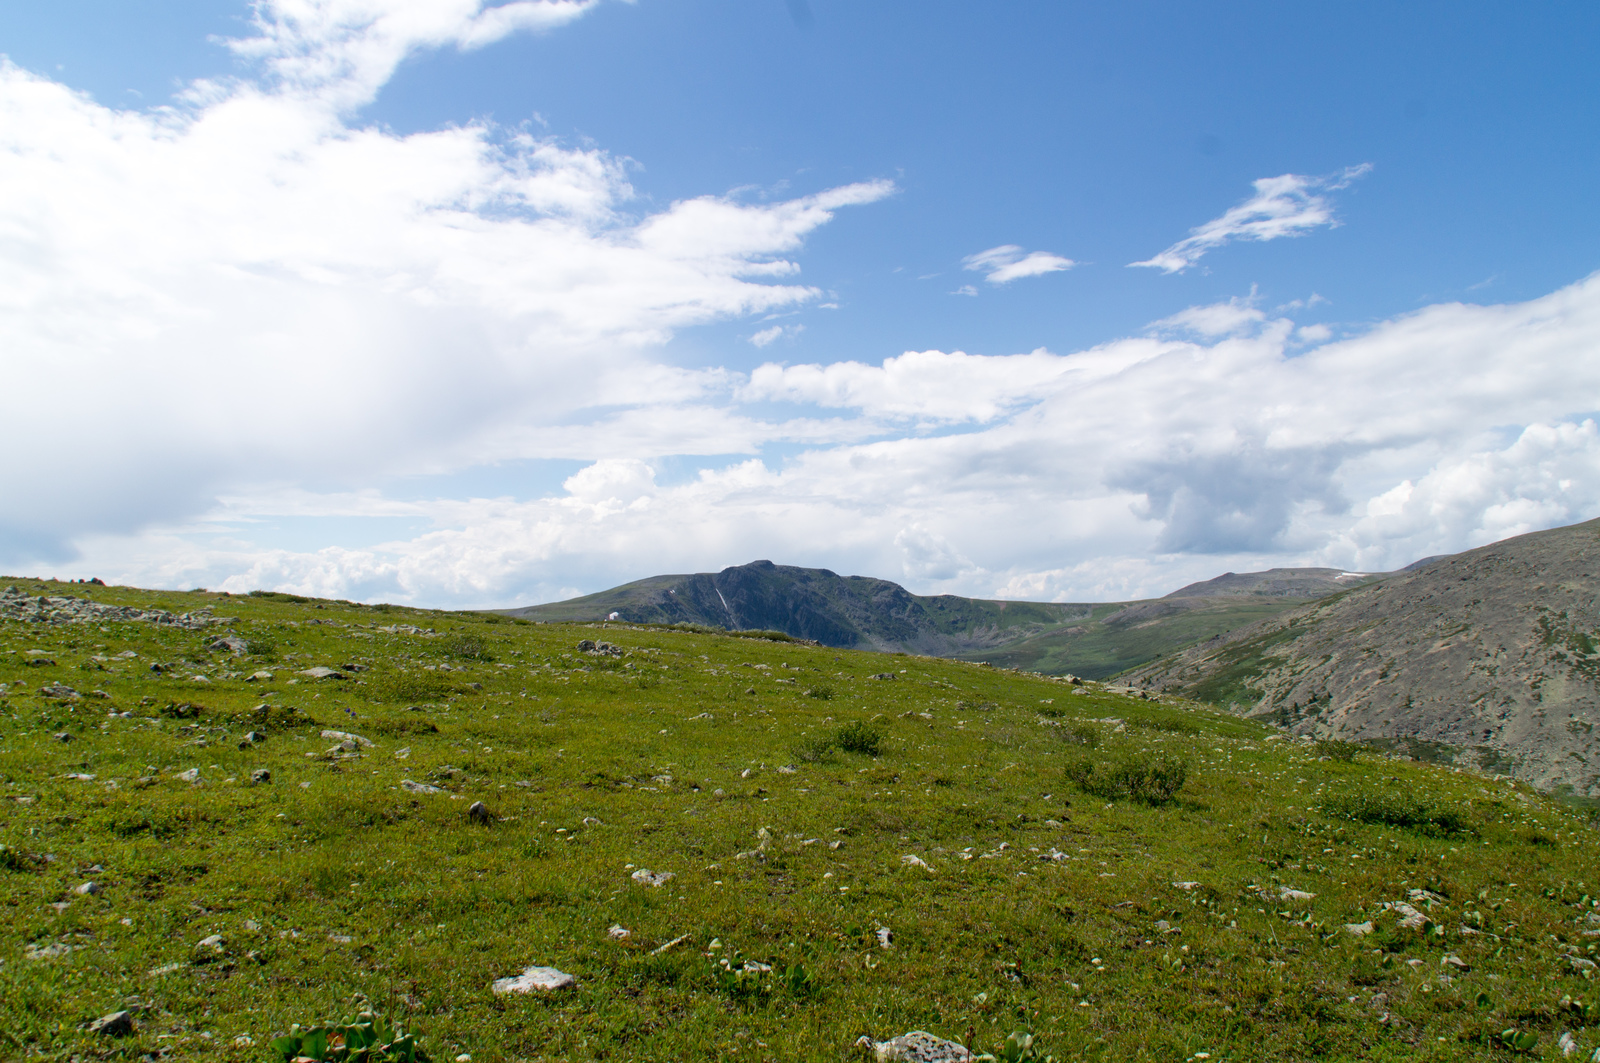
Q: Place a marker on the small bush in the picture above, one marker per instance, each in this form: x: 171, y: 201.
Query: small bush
x: 410, y: 686
x: 1393, y: 810
x: 815, y: 750
x: 1170, y: 724
x: 1340, y: 751
x: 261, y: 647
x: 1081, y: 734
x: 1152, y: 780
x: 821, y: 693
x: 467, y: 648
x: 860, y: 738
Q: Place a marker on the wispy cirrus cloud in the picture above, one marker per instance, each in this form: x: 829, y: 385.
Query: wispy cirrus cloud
x: 1288, y: 205
x: 1008, y: 262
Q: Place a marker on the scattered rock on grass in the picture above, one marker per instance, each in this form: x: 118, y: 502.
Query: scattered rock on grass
x: 918, y: 1046
x: 116, y: 1024
x: 913, y: 860
x: 478, y: 813
x: 261, y: 776
x: 618, y: 932
x: 321, y: 672
x: 347, y: 737
x: 654, y: 879
x: 46, y: 952
x: 87, y: 888
x: 540, y: 979
x: 1360, y: 930
x: 192, y: 775
x: 418, y: 787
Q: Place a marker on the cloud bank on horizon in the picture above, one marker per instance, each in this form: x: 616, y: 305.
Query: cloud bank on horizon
x: 261, y: 308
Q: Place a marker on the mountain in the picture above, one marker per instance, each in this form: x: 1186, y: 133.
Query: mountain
x: 1093, y: 640
x: 1489, y: 657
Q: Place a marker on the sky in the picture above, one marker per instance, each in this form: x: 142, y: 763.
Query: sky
x: 466, y: 305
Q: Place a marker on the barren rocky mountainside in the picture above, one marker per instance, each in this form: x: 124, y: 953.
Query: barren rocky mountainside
x: 1489, y: 657
x: 1091, y: 639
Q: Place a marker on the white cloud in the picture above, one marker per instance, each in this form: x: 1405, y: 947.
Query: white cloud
x: 965, y: 289
x: 1008, y: 263
x: 776, y: 332
x: 1290, y: 205
x: 923, y: 385
x: 246, y: 289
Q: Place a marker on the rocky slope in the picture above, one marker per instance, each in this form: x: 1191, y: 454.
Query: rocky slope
x: 1092, y: 639
x: 1490, y: 657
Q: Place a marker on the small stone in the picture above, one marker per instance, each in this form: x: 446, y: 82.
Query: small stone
x: 192, y: 775
x: 1360, y: 930
x: 87, y: 888
x: 542, y: 979
x: 46, y: 952
x: 116, y: 1024
x: 244, y: 1040
x: 918, y: 1046
x: 654, y: 879
x: 1185, y: 885
x: 321, y: 672
x: 591, y: 821
x: 885, y: 937
x: 1287, y: 894
x: 912, y: 860
x: 63, y: 736
x: 346, y: 738
x: 259, y: 677
x: 618, y: 932
x: 418, y: 787
x: 1452, y: 960
x: 260, y: 777
x: 213, y: 943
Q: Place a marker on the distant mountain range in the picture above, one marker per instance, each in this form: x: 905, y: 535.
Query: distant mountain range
x: 1489, y: 657
x: 1094, y: 640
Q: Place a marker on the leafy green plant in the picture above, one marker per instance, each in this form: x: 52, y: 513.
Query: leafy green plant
x: 821, y: 692
x: 1150, y: 779
x: 1519, y: 1040
x: 860, y: 737
x: 10, y: 859
x: 1018, y: 1047
x: 366, y: 1038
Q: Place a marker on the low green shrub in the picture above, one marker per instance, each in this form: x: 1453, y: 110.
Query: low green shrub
x: 859, y: 737
x: 1170, y: 724
x: 1395, y: 810
x: 1081, y: 734
x: 410, y: 686
x: 816, y: 750
x: 467, y: 648
x: 1345, y: 752
x: 1149, y: 779
x: 821, y: 692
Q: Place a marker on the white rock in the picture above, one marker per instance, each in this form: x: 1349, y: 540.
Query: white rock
x: 1185, y: 885
x: 192, y: 775
x: 913, y: 860
x: 345, y: 736
x: 618, y: 932
x: 214, y: 942
x: 418, y: 787
x: 918, y: 1046
x: 87, y: 888
x: 1360, y: 930
x: 885, y: 936
x: 654, y: 879
x: 46, y: 952
x: 1287, y: 894
x: 542, y: 979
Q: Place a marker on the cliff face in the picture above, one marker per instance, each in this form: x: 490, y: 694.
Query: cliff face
x: 1490, y: 657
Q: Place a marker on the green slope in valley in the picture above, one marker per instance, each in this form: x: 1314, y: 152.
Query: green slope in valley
x: 274, y: 801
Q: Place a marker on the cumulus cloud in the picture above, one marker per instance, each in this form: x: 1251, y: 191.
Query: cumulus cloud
x: 1123, y: 470
x: 1008, y: 262
x: 1289, y: 205
x: 245, y: 288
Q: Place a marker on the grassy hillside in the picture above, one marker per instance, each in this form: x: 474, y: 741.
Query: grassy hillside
x: 1055, y: 887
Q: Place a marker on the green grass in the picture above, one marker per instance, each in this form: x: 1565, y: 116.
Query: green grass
x: 1112, y: 927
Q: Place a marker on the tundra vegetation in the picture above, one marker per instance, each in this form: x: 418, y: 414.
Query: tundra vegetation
x: 729, y: 862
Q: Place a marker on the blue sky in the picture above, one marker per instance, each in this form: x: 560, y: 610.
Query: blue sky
x: 372, y: 377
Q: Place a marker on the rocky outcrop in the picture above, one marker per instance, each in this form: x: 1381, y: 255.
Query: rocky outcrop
x: 40, y: 609
x: 1489, y: 657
